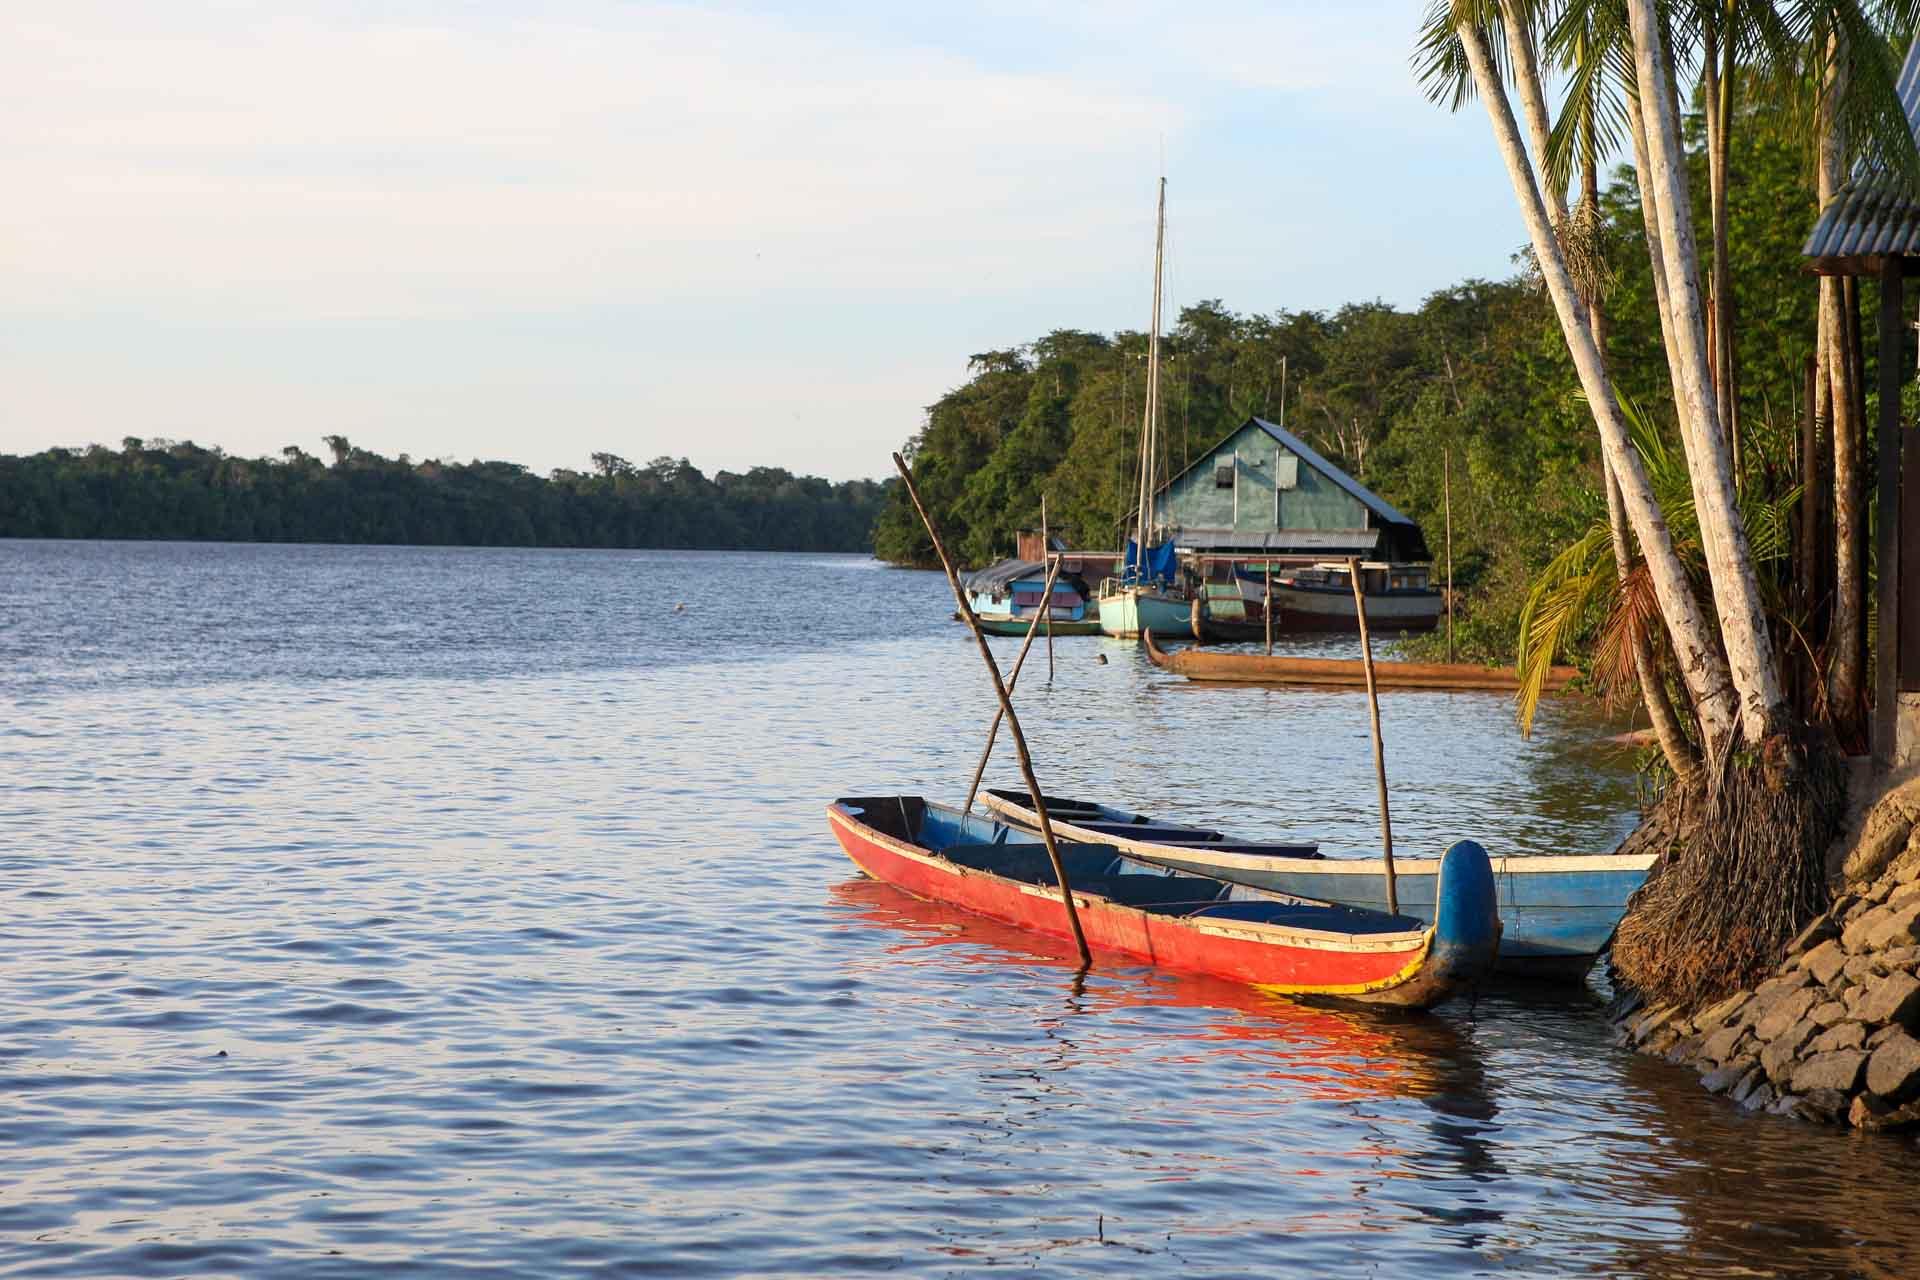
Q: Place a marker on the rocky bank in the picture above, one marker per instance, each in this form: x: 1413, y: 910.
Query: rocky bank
x: 1834, y: 1034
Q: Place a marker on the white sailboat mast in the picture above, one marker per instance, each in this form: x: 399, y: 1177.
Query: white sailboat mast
x: 1149, y: 429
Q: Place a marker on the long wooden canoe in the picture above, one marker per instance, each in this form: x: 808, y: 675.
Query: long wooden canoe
x: 1284, y: 943
x: 1558, y: 912
x: 1255, y: 668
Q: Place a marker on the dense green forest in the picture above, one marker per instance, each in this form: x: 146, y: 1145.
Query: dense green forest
x: 1477, y: 374
x: 163, y: 489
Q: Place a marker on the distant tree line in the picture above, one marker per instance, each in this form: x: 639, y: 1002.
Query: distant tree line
x: 178, y: 490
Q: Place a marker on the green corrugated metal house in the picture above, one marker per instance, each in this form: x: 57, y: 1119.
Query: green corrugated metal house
x: 1263, y: 490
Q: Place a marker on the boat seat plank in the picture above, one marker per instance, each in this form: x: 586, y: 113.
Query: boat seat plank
x: 1028, y: 862
x: 1093, y: 870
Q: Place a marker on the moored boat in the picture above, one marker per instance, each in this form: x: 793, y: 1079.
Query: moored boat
x: 1131, y: 610
x: 1286, y: 943
x: 1346, y: 673
x: 1320, y: 598
x: 1222, y: 614
x: 1012, y: 625
x: 1558, y: 912
x: 1006, y: 597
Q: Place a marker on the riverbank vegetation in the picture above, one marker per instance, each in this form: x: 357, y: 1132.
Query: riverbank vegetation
x: 1475, y: 381
x: 1745, y: 643
x: 178, y: 490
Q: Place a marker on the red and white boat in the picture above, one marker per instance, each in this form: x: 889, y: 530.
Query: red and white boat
x: 1279, y: 942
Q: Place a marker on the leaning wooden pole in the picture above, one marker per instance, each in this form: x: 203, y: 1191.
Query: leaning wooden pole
x: 1379, y: 753
x: 1006, y: 709
x: 1046, y: 600
x: 993, y: 730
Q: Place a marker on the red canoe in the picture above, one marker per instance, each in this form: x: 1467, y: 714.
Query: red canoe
x: 1290, y: 945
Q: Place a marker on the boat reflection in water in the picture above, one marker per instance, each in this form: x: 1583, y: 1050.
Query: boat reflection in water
x: 1304, y: 1048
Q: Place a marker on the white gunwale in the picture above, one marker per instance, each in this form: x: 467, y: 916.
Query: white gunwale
x: 1160, y: 853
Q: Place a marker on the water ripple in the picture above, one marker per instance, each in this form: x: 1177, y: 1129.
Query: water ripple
x: 415, y: 913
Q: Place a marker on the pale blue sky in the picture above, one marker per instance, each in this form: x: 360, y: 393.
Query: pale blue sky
x: 736, y: 232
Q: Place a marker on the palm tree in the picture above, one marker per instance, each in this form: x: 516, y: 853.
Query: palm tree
x: 1736, y: 589
x: 1703, y: 670
x: 1750, y: 830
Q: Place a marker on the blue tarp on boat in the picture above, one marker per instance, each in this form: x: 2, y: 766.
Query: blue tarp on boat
x: 1162, y: 564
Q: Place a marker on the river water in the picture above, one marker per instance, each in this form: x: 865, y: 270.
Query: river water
x: 447, y: 912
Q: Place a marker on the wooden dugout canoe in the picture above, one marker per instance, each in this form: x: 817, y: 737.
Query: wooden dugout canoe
x: 1287, y: 944
x: 1557, y: 912
x: 1255, y: 668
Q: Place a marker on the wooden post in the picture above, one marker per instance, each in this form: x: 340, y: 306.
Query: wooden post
x: 1379, y: 753
x: 1046, y: 600
x: 1006, y: 708
x: 993, y: 730
x: 1446, y: 491
x: 1886, y: 682
x: 1268, y: 607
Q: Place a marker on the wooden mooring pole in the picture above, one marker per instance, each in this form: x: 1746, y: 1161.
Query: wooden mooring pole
x: 1379, y: 753
x: 993, y: 730
x: 1046, y: 599
x: 1006, y: 708
x: 1269, y: 606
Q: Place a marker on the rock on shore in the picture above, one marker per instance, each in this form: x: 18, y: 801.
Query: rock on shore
x: 1834, y: 1034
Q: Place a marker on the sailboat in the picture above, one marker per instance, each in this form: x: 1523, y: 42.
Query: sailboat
x: 1144, y: 597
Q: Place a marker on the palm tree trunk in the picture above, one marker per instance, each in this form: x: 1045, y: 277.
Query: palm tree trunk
x: 1701, y: 665
x: 1845, y: 633
x: 1649, y: 215
x: 1525, y: 65
x: 1717, y: 64
x: 1736, y: 588
x: 1667, y: 729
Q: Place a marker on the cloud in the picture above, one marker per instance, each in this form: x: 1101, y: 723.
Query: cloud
x: 276, y: 161
x: 737, y: 233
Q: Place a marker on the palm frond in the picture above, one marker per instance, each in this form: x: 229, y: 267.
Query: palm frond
x: 1633, y: 621
x: 1439, y: 62
x: 1557, y: 606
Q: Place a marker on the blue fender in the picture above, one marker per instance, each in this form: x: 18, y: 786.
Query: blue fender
x: 1466, y: 920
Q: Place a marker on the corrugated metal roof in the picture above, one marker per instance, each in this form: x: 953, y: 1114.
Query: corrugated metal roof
x: 1372, y: 501
x: 1872, y: 215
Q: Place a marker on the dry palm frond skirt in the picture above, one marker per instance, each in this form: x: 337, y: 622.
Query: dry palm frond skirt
x: 1742, y: 870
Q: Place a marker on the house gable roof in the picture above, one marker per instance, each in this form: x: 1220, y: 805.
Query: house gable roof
x: 1293, y: 444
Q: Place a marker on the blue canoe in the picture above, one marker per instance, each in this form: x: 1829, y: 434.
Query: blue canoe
x: 1557, y: 912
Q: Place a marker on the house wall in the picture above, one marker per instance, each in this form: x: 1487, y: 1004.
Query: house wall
x: 1195, y: 502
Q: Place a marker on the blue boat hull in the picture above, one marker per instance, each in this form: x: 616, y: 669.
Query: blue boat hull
x: 1131, y: 610
x: 1555, y: 923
